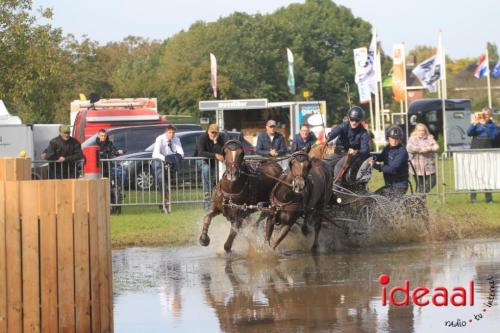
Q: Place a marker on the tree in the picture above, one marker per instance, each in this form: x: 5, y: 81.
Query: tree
x: 492, y: 52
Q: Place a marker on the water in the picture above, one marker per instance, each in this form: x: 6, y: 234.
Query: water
x: 194, y: 289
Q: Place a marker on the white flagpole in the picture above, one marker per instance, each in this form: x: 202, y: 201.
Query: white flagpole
x: 488, y: 78
x: 372, y: 119
x: 381, y: 91
x: 443, y: 87
x: 407, y: 126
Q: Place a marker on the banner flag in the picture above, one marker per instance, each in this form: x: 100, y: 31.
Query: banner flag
x: 291, y: 77
x: 398, y: 75
x: 213, y: 73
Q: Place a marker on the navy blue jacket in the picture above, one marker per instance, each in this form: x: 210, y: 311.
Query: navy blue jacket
x: 348, y: 137
x: 395, y: 167
x: 299, y: 144
x: 264, y: 144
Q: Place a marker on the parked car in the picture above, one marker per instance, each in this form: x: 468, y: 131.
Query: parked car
x: 140, y: 174
x: 134, y: 139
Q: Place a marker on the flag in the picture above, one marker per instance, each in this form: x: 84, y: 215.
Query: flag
x: 291, y: 78
x: 429, y: 72
x: 213, y: 73
x: 398, y: 75
x: 482, y: 68
x: 360, y: 55
x: 82, y: 97
x: 496, y: 70
x: 368, y: 74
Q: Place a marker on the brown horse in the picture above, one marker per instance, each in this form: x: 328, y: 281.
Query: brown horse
x: 321, y: 151
x: 304, y: 189
x: 237, y: 187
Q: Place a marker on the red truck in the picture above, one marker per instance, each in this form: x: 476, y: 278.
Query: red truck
x: 87, y: 118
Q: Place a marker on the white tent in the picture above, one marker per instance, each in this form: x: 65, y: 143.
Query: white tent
x: 6, y: 118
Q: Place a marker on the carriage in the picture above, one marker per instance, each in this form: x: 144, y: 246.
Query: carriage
x: 308, y: 193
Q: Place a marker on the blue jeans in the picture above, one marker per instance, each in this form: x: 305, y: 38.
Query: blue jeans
x: 206, y: 173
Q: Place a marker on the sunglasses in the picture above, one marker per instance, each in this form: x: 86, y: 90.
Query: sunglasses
x: 355, y: 120
x: 214, y: 132
x: 272, y: 126
x: 66, y: 132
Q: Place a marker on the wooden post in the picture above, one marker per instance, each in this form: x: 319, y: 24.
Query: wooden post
x: 55, y: 253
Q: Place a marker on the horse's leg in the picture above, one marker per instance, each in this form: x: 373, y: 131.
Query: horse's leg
x: 271, y: 220
x: 283, y: 233
x: 212, y: 212
x: 317, y: 227
x: 235, y: 225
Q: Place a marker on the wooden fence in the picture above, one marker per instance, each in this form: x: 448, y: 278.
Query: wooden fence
x: 55, y: 254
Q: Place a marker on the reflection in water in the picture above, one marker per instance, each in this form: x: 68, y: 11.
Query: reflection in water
x: 192, y: 289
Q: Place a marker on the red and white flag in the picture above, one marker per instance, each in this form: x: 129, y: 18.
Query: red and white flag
x: 213, y: 73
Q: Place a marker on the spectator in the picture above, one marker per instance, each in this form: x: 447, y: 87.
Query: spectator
x: 484, y: 135
x: 352, y: 139
x: 107, y: 150
x: 422, y: 147
x: 271, y: 143
x: 304, y: 140
x: 209, y: 145
x: 66, y: 152
x: 168, y: 149
x: 395, y: 168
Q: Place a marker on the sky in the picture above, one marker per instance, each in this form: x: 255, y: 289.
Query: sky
x: 466, y: 25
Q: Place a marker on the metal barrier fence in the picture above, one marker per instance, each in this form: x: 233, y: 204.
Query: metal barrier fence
x: 149, y: 182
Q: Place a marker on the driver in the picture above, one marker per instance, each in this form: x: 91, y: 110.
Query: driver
x: 395, y: 168
x: 353, y: 141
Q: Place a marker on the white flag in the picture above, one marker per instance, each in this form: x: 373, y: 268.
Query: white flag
x: 360, y: 55
x: 429, y: 72
x: 213, y: 73
x: 368, y: 74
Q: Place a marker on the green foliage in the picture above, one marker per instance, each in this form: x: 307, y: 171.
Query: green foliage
x: 492, y: 52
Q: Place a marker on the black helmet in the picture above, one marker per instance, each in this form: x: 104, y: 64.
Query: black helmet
x: 395, y: 132
x: 356, y: 113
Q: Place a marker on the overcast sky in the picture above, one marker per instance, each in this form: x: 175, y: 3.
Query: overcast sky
x: 467, y: 25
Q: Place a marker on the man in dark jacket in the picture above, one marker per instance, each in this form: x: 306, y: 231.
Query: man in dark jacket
x: 66, y: 152
x: 304, y: 140
x: 352, y: 140
x: 107, y: 150
x: 271, y: 143
x: 209, y: 145
x: 395, y: 168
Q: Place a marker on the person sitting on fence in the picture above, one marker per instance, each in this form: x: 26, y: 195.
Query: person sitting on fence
x: 271, y: 143
x: 168, y: 149
x: 107, y: 150
x: 422, y: 149
x: 484, y: 133
x: 395, y: 168
x: 209, y: 145
x: 352, y: 143
x: 304, y: 140
x: 66, y: 151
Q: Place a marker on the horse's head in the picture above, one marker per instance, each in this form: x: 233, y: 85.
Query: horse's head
x: 233, y: 158
x: 299, y: 168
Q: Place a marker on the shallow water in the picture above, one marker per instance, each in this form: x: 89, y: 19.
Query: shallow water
x: 194, y: 289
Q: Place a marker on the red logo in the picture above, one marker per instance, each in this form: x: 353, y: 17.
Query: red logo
x: 422, y: 296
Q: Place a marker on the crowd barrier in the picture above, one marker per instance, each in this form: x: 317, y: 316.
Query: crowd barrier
x: 150, y: 182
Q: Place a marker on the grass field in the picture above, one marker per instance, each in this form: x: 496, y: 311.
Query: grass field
x: 455, y: 219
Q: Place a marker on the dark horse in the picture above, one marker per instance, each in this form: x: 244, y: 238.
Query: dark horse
x: 304, y: 189
x: 239, y: 186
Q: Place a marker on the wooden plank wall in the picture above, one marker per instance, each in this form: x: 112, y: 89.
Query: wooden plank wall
x: 55, y: 256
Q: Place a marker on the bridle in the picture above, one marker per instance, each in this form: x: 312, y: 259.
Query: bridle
x: 298, y: 182
x: 233, y: 167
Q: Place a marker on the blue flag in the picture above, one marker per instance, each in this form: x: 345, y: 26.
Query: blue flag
x: 496, y: 70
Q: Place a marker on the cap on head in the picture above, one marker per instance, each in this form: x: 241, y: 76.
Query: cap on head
x: 64, y: 129
x: 213, y: 128
x: 356, y: 113
x: 395, y: 132
x: 271, y: 123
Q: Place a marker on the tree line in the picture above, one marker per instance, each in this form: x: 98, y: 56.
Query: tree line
x: 43, y: 69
